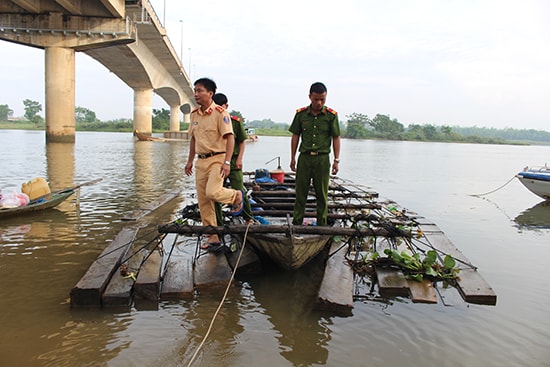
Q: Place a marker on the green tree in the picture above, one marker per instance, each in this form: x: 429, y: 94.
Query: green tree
x: 387, y: 128
x: 84, y: 115
x: 161, y: 119
x: 5, y: 112
x: 357, y: 126
x: 31, y: 110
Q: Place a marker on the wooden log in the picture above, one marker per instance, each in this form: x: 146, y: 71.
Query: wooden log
x: 336, y: 291
x: 279, y: 205
x: 119, y: 290
x: 87, y: 292
x: 147, y: 285
x: 241, y: 229
x: 422, y: 292
x: 391, y: 282
x: 177, y: 282
x: 471, y: 285
x: 211, y: 271
x: 149, y: 208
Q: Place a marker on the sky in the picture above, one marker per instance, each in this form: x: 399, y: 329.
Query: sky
x: 483, y: 63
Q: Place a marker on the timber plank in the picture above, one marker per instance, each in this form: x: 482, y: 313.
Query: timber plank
x: 178, y: 279
x: 422, y: 292
x: 471, y: 285
x: 336, y: 291
x: 147, y: 285
x: 211, y: 270
x: 88, y: 291
x: 151, y: 207
x: 119, y: 289
x: 391, y: 282
x: 167, y: 246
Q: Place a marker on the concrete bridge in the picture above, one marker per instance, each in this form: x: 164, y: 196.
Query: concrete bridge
x: 125, y: 36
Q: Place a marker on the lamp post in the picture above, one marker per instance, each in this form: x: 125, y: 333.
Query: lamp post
x: 164, y: 15
x: 189, y: 49
x: 181, y: 41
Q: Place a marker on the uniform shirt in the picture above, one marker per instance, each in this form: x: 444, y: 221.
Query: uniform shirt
x: 316, y: 131
x: 238, y: 132
x: 209, y: 128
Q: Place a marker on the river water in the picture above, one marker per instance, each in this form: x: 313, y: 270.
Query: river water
x: 268, y: 320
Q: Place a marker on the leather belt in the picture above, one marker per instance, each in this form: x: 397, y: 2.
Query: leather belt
x: 314, y: 153
x: 208, y: 155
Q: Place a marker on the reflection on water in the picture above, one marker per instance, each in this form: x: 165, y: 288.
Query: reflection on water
x: 537, y: 216
x: 268, y: 319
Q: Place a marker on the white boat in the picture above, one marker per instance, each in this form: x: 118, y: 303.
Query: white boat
x: 537, y: 180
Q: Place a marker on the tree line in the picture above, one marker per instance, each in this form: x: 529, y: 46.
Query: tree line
x: 356, y: 126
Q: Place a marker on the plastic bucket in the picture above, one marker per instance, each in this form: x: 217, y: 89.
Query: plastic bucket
x: 278, y: 175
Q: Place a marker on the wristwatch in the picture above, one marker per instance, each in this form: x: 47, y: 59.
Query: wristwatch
x: 227, y: 162
x: 337, y: 160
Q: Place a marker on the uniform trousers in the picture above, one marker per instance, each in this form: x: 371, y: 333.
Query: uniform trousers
x: 210, y: 188
x: 310, y: 168
x: 236, y: 181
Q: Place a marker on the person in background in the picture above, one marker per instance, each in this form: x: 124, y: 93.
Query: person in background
x: 212, y: 141
x: 236, y: 173
x: 315, y: 127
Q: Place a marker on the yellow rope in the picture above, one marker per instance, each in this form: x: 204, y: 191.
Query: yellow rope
x: 222, y: 300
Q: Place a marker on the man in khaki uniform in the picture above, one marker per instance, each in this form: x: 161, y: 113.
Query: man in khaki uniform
x: 212, y: 140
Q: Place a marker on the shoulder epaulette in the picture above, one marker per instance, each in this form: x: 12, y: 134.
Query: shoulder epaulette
x: 220, y: 108
x: 236, y: 118
x: 301, y: 109
x: 332, y: 111
x: 195, y: 110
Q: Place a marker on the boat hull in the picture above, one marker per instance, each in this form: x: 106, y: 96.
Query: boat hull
x: 46, y: 202
x: 290, y: 252
x: 537, y: 181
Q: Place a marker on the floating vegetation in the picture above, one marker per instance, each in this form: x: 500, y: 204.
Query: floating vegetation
x: 412, y: 265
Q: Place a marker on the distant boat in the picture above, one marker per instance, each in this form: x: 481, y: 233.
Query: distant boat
x: 251, y: 133
x: 537, y: 180
x: 145, y: 137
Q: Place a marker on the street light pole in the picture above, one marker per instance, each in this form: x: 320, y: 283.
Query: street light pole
x: 181, y: 44
x: 189, y: 61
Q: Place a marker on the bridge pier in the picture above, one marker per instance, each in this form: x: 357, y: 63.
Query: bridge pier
x: 175, y: 118
x: 60, y: 94
x: 143, y: 112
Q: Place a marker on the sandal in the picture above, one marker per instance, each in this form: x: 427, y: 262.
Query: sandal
x: 216, y: 247
x: 236, y: 210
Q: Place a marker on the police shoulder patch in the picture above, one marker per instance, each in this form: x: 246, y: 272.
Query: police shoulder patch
x: 236, y: 118
x: 301, y: 109
x: 332, y: 111
x: 226, y: 119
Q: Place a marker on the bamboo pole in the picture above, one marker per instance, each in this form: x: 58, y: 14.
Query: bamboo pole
x: 271, y: 229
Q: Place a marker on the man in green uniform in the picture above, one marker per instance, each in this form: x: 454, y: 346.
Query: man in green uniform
x: 236, y: 173
x: 317, y: 127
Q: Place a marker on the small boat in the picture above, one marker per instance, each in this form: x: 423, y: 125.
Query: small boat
x: 275, y: 237
x: 145, y: 137
x: 251, y: 135
x: 47, y: 201
x: 537, y: 180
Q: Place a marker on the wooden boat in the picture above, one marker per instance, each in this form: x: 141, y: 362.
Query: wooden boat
x: 45, y: 202
x: 275, y: 237
x: 251, y: 135
x: 145, y: 137
x: 536, y: 180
